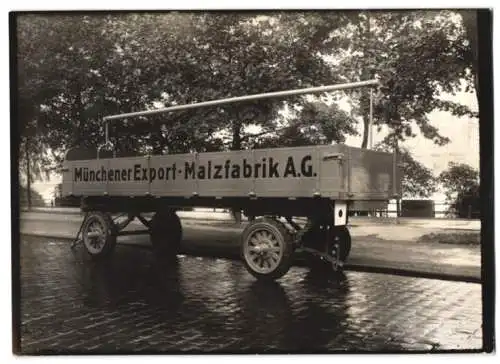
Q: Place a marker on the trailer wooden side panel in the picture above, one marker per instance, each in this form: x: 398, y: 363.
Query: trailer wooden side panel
x: 335, y: 171
x: 373, y: 175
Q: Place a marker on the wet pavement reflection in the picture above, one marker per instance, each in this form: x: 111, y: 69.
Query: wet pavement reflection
x: 136, y: 302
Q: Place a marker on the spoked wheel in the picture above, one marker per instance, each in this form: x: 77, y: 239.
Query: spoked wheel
x: 166, y: 233
x: 267, y: 249
x: 99, y: 234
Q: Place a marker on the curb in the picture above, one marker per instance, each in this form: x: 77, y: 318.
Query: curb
x: 75, y: 213
x: 363, y: 268
x: 225, y: 217
x: 412, y: 273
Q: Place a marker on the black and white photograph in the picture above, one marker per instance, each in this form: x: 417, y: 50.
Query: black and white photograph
x: 276, y: 181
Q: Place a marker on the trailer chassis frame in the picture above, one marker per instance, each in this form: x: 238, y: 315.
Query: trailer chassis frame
x: 318, y: 211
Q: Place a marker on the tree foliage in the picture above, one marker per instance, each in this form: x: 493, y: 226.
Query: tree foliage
x: 469, y: 21
x: 114, y: 64
x: 416, y: 55
x: 461, y: 183
x: 75, y: 69
x: 459, y: 178
x: 314, y: 123
x: 417, y: 179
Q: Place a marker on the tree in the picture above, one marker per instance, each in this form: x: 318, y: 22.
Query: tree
x: 91, y: 66
x: 33, y: 159
x: 468, y: 204
x: 469, y: 20
x: 416, y: 55
x: 315, y: 123
x: 234, y: 55
x: 103, y: 65
x: 458, y: 178
x: 417, y: 179
x: 34, y: 164
x: 57, y: 60
x: 461, y: 184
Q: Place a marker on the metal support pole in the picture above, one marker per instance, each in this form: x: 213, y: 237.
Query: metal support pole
x: 77, y: 239
x: 370, y: 129
x: 395, y: 178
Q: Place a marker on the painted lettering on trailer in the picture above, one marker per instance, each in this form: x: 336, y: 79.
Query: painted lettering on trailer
x: 264, y: 168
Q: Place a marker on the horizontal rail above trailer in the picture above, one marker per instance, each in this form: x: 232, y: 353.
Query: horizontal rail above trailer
x: 267, y: 95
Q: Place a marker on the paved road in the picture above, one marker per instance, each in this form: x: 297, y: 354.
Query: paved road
x: 136, y: 303
x: 222, y: 239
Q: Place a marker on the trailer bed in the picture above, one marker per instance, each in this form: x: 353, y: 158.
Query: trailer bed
x: 333, y: 172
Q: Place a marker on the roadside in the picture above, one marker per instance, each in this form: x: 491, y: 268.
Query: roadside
x: 222, y: 239
x: 452, y: 231
x: 219, y: 215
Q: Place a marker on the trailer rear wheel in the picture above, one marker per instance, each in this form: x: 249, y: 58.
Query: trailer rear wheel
x: 99, y: 234
x: 166, y: 233
x: 342, y: 237
x: 331, y: 241
x: 267, y: 249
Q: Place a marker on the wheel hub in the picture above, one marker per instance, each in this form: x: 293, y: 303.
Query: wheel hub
x: 263, y: 251
x: 263, y: 247
x: 95, y: 237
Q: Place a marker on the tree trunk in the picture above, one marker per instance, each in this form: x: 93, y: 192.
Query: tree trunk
x: 398, y: 207
x: 78, y: 125
x: 398, y: 197
x: 159, y: 143
x: 366, y: 131
x: 236, y: 144
x: 469, y: 18
x: 365, y: 96
x: 28, y: 174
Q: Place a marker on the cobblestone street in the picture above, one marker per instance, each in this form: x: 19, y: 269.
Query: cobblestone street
x: 136, y: 303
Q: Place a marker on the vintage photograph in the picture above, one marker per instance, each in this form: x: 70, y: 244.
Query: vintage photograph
x: 252, y: 181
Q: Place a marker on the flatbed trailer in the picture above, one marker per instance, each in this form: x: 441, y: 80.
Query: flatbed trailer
x: 271, y: 186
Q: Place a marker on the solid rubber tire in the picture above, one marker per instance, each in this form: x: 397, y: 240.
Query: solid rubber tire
x: 166, y: 233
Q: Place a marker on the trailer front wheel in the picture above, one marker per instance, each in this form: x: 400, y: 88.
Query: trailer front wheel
x: 99, y: 234
x: 267, y: 249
